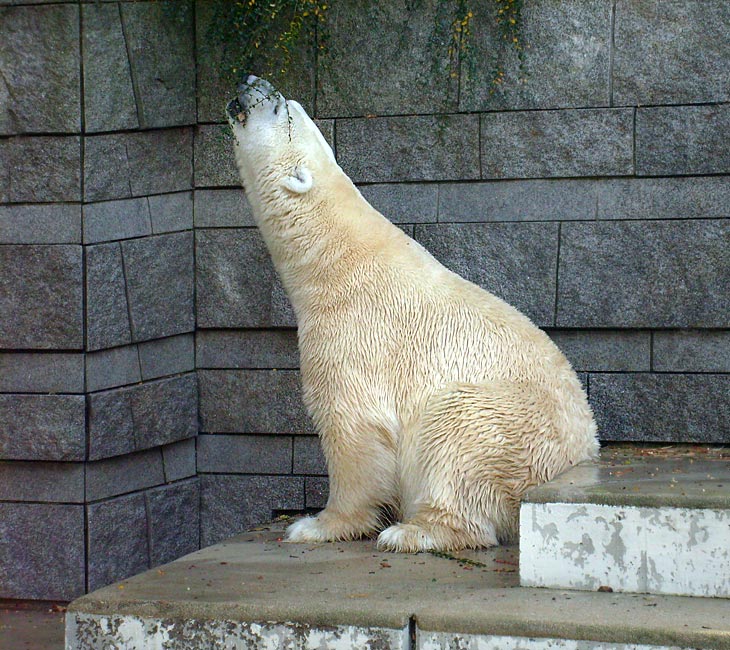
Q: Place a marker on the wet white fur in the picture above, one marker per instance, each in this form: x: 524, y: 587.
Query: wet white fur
x: 435, y: 401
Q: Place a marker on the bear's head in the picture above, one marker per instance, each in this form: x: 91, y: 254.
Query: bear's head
x: 278, y: 147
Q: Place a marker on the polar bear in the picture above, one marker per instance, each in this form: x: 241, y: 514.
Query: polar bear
x: 437, y: 403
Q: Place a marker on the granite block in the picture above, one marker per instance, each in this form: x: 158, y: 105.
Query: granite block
x: 691, y: 351
x: 565, y: 58
x: 252, y: 401
x: 117, y: 544
x: 109, y: 98
x: 178, y: 460
x: 404, y: 202
x: 419, y: 37
x: 682, y: 140
x: 40, y: 224
x: 222, y: 209
x: 247, y: 349
x: 160, y: 44
x: 41, y: 298
x: 111, y: 424
x: 159, y: 274
x: 514, y: 261
x: 114, y: 476
x: 39, y: 57
x: 316, y: 491
x: 222, y: 454
x: 518, y: 200
x: 116, y: 220
x: 41, y: 481
x: 174, y: 521
x: 42, y: 427
x: 26, y: 176
x: 107, y: 311
x: 416, y: 148
x: 215, y: 165
x: 235, y: 279
x: 169, y: 356
x: 671, y: 52
x: 308, y: 456
x: 42, y: 546
x: 647, y: 407
x: 171, y: 212
x: 112, y: 368
x: 605, y: 350
x: 644, y: 274
x: 232, y: 504
x: 42, y: 372
x: 544, y: 144
x: 123, y: 165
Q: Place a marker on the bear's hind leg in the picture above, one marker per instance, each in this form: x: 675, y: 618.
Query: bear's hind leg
x: 476, y: 450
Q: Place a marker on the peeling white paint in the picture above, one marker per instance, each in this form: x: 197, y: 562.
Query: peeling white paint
x: 662, y: 550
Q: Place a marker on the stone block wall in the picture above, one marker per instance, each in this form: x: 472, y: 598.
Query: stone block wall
x: 98, y: 391
x: 149, y: 385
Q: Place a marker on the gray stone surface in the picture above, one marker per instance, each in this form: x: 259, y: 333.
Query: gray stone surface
x: 116, y: 220
x: 174, y: 521
x: 605, y: 350
x: 107, y: 311
x: 117, y: 540
x: 42, y: 427
x: 109, y: 100
x: 235, y: 279
x: 222, y: 209
x: 514, y: 261
x: 316, y: 491
x: 26, y: 176
x: 41, y: 295
x: 160, y: 42
x: 40, y: 224
x: 308, y: 456
x: 171, y: 212
x: 179, y: 460
x: 404, y: 202
x: 112, y: 368
x: 232, y: 504
x: 697, y: 197
x: 41, y: 372
x: 518, y: 200
x: 538, y: 144
x: 661, y: 407
x: 167, y: 356
x: 566, y: 51
x: 252, y: 401
x: 677, y: 140
x: 159, y: 274
x: 671, y: 52
x: 42, y: 551
x: 247, y: 349
x: 223, y: 454
x: 40, y: 481
x: 417, y: 148
x: 691, y: 351
x: 114, y: 476
x: 123, y: 165
x: 639, y: 274
x: 363, y: 70
x: 39, y: 57
x: 154, y: 413
x: 215, y: 165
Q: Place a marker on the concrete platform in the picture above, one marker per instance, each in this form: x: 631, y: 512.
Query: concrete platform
x: 256, y: 592
x: 642, y: 519
x: 31, y: 625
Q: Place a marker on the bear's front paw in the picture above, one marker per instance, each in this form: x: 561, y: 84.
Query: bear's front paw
x: 306, y: 530
x: 406, y: 538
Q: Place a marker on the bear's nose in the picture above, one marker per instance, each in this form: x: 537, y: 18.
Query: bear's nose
x: 251, y: 79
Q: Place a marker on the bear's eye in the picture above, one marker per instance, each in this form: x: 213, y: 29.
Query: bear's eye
x: 276, y: 109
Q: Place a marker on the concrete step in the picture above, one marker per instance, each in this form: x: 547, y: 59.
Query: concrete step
x: 642, y: 519
x: 256, y: 592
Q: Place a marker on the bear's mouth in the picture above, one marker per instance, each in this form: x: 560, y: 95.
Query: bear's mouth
x: 250, y: 93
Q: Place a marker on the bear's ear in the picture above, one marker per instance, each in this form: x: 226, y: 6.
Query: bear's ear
x: 299, y: 181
